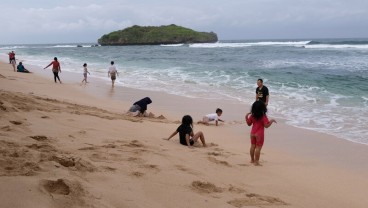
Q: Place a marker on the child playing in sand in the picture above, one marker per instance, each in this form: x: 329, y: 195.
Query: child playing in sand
x: 139, y: 108
x: 212, y: 117
x: 186, y: 135
x: 85, y: 71
x: 259, y: 119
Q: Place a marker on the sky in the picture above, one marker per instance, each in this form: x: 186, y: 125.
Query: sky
x: 82, y: 21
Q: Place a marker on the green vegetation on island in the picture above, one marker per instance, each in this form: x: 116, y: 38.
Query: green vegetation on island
x: 150, y: 35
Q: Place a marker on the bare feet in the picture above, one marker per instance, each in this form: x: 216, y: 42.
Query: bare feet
x: 257, y: 164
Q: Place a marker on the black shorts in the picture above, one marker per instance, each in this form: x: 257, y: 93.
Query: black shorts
x: 191, y: 142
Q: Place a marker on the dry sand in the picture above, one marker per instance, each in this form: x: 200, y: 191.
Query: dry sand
x: 70, y: 146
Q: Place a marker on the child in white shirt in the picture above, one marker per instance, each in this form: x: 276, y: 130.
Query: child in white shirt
x: 212, y: 117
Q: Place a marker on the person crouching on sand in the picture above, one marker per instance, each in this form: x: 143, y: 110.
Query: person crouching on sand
x: 212, y: 117
x: 259, y: 119
x: 139, y: 108
x: 55, y: 69
x: 186, y: 135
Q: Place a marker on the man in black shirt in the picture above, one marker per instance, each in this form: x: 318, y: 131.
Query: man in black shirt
x: 262, y: 92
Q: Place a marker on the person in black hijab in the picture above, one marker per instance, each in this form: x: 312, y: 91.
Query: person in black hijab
x: 139, y: 108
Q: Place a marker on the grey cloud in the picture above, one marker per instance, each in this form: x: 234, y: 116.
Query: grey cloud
x: 85, y: 21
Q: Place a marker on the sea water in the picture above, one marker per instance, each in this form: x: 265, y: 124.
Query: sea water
x: 320, y: 85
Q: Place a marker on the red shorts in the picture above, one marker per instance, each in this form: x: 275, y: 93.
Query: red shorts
x: 257, y: 140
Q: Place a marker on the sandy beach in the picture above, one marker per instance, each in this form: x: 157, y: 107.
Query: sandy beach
x: 67, y: 145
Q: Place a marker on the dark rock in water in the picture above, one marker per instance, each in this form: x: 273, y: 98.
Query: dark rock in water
x: 170, y: 34
x: 95, y: 45
x: 79, y: 46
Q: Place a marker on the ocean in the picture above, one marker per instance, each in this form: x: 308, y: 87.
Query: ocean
x: 320, y: 85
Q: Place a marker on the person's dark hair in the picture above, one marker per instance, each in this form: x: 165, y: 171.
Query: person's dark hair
x: 20, y: 63
x: 187, y: 120
x: 112, y: 62
x: 218, y: 110
x: 258, y: 109
x: 55, y: 58
x: 85, y: 64
x: 261, y: 80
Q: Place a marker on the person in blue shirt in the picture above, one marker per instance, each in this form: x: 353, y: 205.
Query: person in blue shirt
x: 20, y: 68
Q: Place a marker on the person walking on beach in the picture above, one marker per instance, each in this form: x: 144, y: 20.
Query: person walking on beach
x: 262, y: 92
x: 85, y: 71
x: 259, y: 119
x: 186, y: 135
x: 112, y: 73
x: 212, y: 117
x: 55, y: 69
x: 13, y: 63
x: 11, y: 57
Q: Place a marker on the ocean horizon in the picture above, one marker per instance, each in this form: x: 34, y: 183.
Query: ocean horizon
x: 316, y: 84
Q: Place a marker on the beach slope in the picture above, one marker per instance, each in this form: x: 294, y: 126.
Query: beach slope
x: 67, y: 149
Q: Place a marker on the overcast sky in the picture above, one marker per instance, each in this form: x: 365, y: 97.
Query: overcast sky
x: 73, y: 21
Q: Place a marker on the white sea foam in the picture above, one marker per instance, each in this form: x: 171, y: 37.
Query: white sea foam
x: 12, y: 47
x: 64, y: 46
x: 248, y: 44
x: 172, y: 45
x: 328, y: 46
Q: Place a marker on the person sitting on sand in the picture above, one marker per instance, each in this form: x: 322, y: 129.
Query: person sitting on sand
x: 139, y: 108
x: 20, y: 68
x: 212, y: 117
x: 186, y: 135
x: 259, y: 119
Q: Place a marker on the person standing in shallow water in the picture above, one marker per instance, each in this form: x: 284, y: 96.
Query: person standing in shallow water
x: 112, y: 73
x: 55, y: 69
x: 262, y: 93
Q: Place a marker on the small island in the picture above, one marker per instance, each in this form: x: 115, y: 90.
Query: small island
x: 150, y: 35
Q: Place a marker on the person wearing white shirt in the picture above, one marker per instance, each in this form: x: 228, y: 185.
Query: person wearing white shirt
x: 212, y: 117
x: 112, y: 73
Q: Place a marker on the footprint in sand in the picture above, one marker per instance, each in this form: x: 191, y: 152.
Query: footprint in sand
x: 39, y: 138
x: 42, y: 147
x: 6, y: 128
x: 256, y: 200
x: 76, y: 164
x: 134, y: 144
x: 215, y: 153
x: 137, y: 174
x: 214, y: 160
x: 205, y: 187
x: 16, y: 122
x: 56, y: 187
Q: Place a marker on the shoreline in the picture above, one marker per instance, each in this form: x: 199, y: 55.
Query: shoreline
x: 300, y: 167
x: 101, y: 89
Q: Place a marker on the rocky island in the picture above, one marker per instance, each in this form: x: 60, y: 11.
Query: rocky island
x: 150, y: 35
